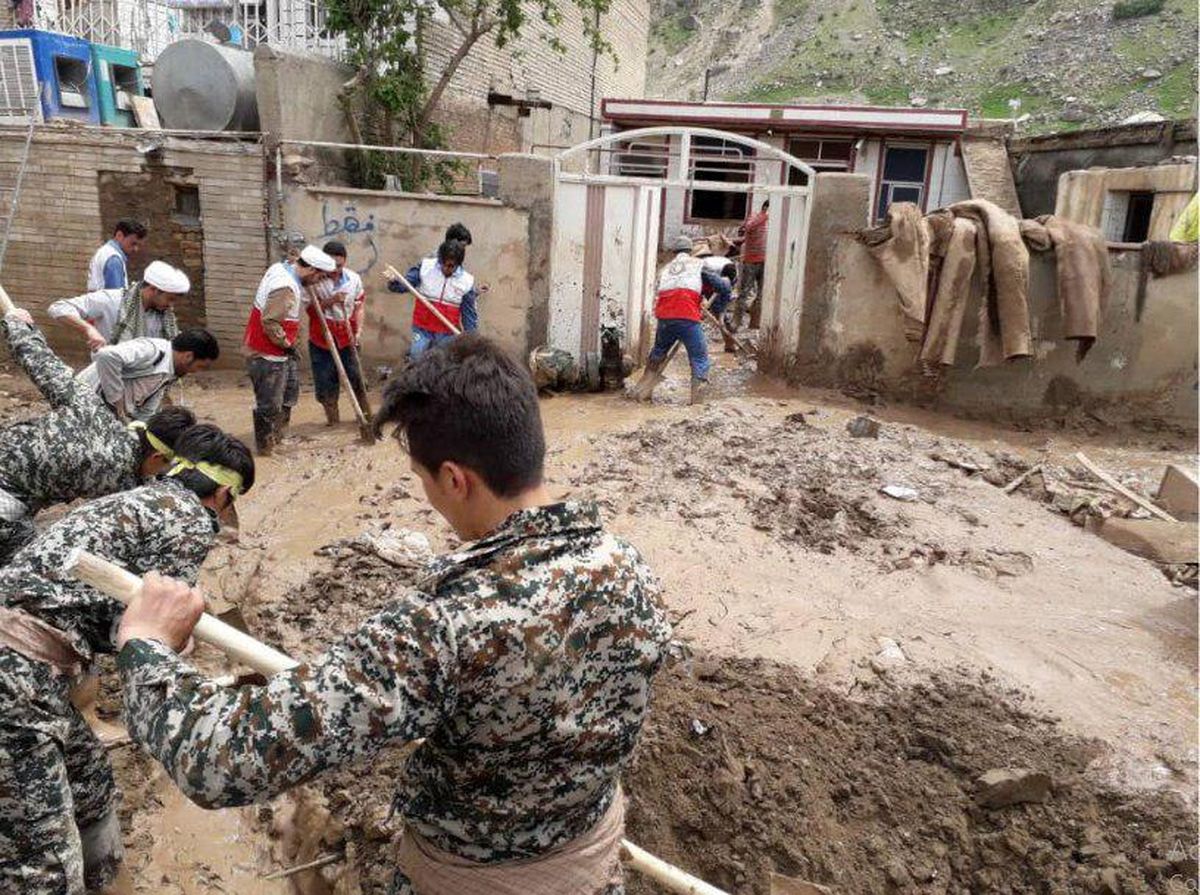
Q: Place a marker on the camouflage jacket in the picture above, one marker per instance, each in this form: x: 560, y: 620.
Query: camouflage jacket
x: 78, y: 449
x: 525, y: 661
x: 161, y: 526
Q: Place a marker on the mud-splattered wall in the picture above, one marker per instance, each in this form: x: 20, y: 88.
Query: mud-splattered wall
x: 381, y: 228
x: 1138, y: 369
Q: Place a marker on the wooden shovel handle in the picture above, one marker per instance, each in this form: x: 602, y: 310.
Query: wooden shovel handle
x: 115, y: 582
x: 393, y: 274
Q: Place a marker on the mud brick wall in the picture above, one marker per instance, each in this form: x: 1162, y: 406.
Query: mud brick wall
x: 565, y: 79
x: 79, y: 182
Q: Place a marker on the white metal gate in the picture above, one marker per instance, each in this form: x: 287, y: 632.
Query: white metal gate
x: 609, y: 200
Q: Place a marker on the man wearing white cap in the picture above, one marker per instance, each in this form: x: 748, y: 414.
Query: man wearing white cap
x: 111, y: 316
x: 270, y: 341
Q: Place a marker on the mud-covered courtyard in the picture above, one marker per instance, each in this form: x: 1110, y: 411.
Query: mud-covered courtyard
x: 868, y: 623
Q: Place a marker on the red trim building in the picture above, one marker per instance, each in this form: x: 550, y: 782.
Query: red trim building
x: 911, y: 155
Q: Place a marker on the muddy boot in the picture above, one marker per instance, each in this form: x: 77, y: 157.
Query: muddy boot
x: 643, y: 390
x: 332, y: 417
x: 282, y: 421
x: 264, y: 434
x: 699, y: 390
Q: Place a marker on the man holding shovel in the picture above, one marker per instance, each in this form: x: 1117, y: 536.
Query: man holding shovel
x: 524, y: 662
x: 450, y: 297
x: 679, y: 308
x: 58, y: 804
x: 270, y: 341
x: 341, y: 300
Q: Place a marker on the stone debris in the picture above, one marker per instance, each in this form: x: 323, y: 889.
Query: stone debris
x: 1001, y: 787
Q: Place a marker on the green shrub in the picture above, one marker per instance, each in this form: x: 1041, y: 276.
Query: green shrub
x: 1131, y: 9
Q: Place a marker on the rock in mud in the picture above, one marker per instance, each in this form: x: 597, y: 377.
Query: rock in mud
x: 863, y: 427
x: 1001, y: 787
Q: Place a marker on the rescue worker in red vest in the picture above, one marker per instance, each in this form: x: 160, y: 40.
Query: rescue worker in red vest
x: 447, y: 286
x: 270, y: 341
x: 681, y: 285
x: 341, y: 300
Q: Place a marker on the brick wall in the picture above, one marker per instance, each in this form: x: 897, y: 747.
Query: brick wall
x: 62, y: 219
x: 565, y: 79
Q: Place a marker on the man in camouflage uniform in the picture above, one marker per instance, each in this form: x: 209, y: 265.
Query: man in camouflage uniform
x: 524, y: 660
x: 58, y: 824
x: 78, y: 449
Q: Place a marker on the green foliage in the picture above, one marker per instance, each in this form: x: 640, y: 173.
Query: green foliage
x: 1177, y: 91
x: 886, y: 95
x: 1131, y: 9
x: 382, y: 42
x: 671, y: 32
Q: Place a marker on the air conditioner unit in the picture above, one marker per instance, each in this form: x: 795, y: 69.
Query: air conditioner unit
x: 19, y: 93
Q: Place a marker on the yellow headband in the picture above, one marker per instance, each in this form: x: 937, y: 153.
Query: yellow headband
x: 222, y: 475
x: 155, y: 442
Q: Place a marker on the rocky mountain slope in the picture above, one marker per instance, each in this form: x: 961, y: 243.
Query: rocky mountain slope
x: 1067, y: 63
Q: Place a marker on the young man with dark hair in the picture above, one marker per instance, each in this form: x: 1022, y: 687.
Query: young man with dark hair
x: 144, y: 308
x: 60, y: 831
x: 342, y: 301
x: 270, y: 341
x: 133, y: 377
x: 525, y: 662
x: 446, y: 286
x: 458, y: 233
x: 109, y: 265
x: 78, y: 449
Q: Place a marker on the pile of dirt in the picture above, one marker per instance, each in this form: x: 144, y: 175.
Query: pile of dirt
x: 746, y: 768
x: 884, y: 491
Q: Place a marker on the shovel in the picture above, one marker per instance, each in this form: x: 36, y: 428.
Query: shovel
x: 124, y: 586
x: 365, y: 431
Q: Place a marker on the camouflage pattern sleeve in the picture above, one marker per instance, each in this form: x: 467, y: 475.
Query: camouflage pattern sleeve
x: 389, y: 681
x: 54, y: 379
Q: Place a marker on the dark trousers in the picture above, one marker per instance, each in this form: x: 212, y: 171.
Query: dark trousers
x: 325, y: 376
x: 276, y: 391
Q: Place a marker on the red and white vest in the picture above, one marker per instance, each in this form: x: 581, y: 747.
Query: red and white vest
x: 278, y: 276
x: 679, y: 289
x: 338, y: 317
x: 444, y: 293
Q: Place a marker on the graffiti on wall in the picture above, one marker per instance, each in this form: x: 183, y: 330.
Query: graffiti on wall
x: 350, y: 228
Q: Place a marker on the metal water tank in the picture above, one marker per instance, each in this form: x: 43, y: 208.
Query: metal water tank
x: 200, y: 86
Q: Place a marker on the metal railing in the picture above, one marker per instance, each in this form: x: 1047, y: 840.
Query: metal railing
x: 149, y: 26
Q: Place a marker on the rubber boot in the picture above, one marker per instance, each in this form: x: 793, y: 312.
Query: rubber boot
x: 264, y: 434
x: 699, y: 390
x: 332, y: 417
x: 643, y: 390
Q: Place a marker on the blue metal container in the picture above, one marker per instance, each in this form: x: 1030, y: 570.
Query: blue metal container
x: 65, y: 73
x: 118, y: 77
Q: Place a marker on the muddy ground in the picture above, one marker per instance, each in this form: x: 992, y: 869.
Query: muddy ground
x: 860, y: 658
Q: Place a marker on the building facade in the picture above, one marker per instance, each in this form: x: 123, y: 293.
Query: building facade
x: 910, y: 155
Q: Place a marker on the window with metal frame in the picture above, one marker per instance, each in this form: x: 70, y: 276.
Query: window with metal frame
x: 715, y: 159
x: 903, y: 176
x: 643, y: 158
x: 821, y: 155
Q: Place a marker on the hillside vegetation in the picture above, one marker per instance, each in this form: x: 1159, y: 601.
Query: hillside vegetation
x: 1069, y: 63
